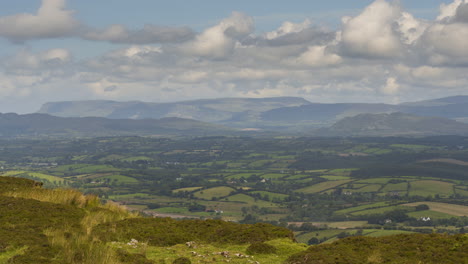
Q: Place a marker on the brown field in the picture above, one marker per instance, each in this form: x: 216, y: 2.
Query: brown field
x: 452, y: 209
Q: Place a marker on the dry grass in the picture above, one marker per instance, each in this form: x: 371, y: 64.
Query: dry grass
x: 76, y: 243
x: 80, y: 248
x: 60, y: 196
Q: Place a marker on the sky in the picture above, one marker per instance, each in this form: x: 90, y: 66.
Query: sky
x: 164, y: 51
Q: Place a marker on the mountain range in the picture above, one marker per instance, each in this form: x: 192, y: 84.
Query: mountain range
x: 277, y: 113
x: 394, y: 124
x: 234, y: 116
x: 39, y: 125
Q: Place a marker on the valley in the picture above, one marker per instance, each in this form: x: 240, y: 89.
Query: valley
x: 321, y: 188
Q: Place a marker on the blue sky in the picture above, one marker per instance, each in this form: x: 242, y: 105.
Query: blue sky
x: 324, y: 51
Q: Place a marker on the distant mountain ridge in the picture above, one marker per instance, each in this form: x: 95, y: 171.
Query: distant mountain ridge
x: 14, y: 125
x: 394, y: 124
x: 276, y: 113
x: 208, y: 110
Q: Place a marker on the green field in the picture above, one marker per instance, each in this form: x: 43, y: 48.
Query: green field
x: 410, y: 147
x: 40, y: 176
x: 362, y: 207
x: 429, y: 213
x: 431, y: 187
x: 215, y: 192
x: 171, y: 210
x: 13, y: 172
x: 298, y: 177
x: 187, y: 189
x: 376, y: 180
x: 319, y: 187
x: 119, y: 179
x: 345, y: 224
x: 380, y: 232
x: 240, y: 175
x: 403, y: 186
x: 370, y: 188
x: 461, y: 192
x: 271, y: 195
x: 273, y: 175
x: 380, y: 210
x: 335, y: 177
x: 259, y: 163
x: 138, y: 158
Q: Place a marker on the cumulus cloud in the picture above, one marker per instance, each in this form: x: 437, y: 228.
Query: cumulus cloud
x: 149, y: 34
x: 288, y: 28
x: 219, y: 41
x: 50, y: 21
x: 381, y: 54
x: 371, y: 33
x: 319, y: 56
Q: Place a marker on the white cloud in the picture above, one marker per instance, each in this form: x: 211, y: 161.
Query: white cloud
x: 288, y: 28
x: 378, y: 55
x: 447, y: 12
x: 318, y: 56
x: 391, y: 86
x: 50, y: 21
x: 220, y: 40
x: 411, y: 29
x: 371, y: 33
x: 445, y: 42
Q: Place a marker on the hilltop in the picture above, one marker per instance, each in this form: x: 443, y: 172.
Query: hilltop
x: 394, y: 124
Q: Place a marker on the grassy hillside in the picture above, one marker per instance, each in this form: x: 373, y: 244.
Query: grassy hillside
x: 413, y: 248
x: 64, y: 226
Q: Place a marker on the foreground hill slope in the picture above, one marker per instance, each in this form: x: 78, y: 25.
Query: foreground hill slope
x: 395, y: 124
x: 13, y: 125
x: 64, y: 226
x: 398, y: 249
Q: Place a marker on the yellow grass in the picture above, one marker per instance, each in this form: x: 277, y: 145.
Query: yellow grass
x: 60, y: 196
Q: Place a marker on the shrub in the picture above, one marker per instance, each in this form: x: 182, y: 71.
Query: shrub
x: 182, y: 260
x: 260, y: 248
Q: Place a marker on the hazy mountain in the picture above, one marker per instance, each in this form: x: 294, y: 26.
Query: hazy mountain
x: 278, y: 113
x: 14, y: 125
x: 208, y: 110
x: 394, y: 124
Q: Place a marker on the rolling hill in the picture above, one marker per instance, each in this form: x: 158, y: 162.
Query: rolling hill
x: 394, y: 124
x: 14, y: 125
